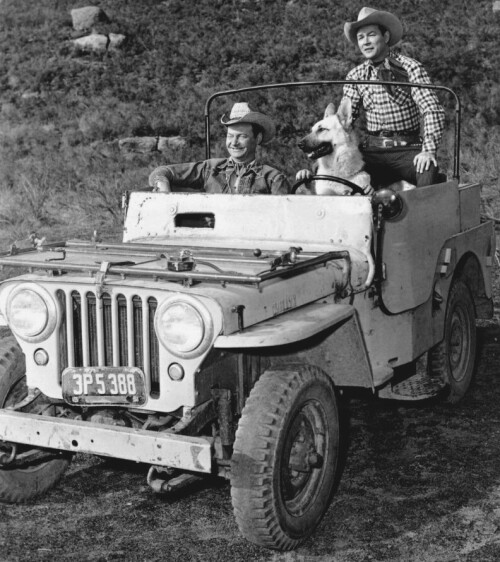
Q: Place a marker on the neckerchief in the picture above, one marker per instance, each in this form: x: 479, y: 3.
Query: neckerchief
x: 391, y: 70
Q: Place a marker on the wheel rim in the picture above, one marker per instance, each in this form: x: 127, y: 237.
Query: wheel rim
x: 303, y: 458
x: 459, y: 344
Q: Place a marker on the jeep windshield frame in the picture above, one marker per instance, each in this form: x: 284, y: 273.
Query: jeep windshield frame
x: 292, y: 85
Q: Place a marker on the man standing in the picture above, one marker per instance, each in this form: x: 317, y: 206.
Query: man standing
x: 394, y: 149
x: 241, y: 172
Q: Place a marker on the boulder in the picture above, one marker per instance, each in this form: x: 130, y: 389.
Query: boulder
x: 116, y: 40
x: 151, y: 144
x: 92, y: 42
x: 169, y: 143
x: 86, y: 18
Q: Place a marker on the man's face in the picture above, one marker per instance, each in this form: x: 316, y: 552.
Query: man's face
x: 241, y: 143
x: 372, y: 43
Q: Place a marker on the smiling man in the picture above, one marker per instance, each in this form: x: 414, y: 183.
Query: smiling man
x: 395, y: 148
x: 241, y: 172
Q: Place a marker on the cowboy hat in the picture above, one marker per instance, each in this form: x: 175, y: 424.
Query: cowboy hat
x: 369, y: 16
x: 241, y: 113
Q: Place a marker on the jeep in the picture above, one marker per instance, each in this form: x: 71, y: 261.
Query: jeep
x: 217, y: 337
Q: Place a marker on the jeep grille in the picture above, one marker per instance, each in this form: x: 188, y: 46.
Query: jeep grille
x: 118, y: 333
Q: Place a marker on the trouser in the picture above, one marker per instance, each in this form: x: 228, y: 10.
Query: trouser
x: 387, y: 165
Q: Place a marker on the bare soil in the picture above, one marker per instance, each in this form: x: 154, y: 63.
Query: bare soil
x: 421, y: 483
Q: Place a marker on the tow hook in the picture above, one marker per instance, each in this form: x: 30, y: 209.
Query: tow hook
x: 8, y: 458
x: 162, y: 480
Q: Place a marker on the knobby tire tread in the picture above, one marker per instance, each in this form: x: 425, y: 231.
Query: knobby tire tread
x: 258, y: 430
x: 17, y: 485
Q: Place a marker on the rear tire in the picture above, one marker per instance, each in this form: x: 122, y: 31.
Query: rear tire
x: 454, y: 358
x: 18, y: 485
x: 285, y: 457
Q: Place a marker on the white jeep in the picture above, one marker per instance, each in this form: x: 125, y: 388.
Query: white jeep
x: 216, y: 337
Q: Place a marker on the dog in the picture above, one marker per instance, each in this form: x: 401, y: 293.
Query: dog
x: 333, y: 143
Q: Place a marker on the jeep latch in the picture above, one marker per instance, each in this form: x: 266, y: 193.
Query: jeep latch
x: 184, y: 261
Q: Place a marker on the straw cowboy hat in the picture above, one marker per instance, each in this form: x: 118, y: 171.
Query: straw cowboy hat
x: 369, y: 16
x: 241, y: 113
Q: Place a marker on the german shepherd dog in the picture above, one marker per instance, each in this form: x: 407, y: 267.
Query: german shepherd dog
x: 333, y: 143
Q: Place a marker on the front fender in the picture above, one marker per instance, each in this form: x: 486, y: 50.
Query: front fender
x: 297, y: 325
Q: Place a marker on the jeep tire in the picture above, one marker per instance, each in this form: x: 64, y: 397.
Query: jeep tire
x: 18, y: 485
x: 285, y: 457
x: 454, y: 358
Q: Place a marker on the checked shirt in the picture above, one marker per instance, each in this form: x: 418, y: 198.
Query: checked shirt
x: 223, y: 175
x: 403, y: 109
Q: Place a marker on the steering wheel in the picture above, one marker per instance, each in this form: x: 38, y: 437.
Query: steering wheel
x: 355, y: 188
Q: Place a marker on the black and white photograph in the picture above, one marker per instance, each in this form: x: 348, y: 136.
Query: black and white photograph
x: 249, y: 281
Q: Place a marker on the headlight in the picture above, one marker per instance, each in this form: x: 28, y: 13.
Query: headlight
x: 31, y: 313
x: 184, y: 326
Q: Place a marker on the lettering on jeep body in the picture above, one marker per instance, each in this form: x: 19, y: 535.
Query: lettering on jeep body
x: 287, y: 303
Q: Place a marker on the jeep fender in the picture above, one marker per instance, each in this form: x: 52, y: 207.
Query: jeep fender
x: 321, y: 334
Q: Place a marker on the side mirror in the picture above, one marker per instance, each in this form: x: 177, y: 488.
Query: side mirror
x: 388, y: 202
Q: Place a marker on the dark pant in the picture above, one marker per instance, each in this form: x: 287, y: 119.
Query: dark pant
x: 387, y: 165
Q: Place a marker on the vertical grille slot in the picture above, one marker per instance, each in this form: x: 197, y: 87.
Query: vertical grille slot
x: 154, y: 351
x: 63, y: 330
x: 92, y: 329
x: 115, y: 330
x: 138, y: 335
x: 122, y: 330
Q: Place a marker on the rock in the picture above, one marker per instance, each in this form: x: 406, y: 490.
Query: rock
x: 86, y: 18
x: 138, y: 144
x: 30, y: 95
x: 92, y: 42
x: 116, y: 40
x: 151, y: 144
x: 169, y: 143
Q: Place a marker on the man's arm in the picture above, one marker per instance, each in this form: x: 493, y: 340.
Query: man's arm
x: 181, y: 175
x: 431, y: 110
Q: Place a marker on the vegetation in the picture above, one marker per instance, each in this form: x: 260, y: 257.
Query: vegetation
x: 62, y: 111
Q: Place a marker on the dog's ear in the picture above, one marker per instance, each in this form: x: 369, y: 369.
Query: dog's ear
x: 330, y: 110
x: 344, y: 113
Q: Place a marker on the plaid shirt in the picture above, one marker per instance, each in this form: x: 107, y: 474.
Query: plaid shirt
x: 400, y: 111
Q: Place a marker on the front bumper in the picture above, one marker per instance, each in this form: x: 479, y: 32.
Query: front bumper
x: 151, y: 447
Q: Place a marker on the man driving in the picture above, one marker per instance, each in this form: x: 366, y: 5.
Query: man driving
x: 241, y: 172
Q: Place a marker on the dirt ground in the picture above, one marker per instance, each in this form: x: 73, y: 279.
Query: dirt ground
x: 421, y: 483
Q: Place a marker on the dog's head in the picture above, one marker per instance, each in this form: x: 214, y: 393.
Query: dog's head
x: 326, y: 134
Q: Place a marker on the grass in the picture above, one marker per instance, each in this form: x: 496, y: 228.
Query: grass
x: 62, y: 112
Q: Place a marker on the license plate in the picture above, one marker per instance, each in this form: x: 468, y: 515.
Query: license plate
x: 115, y: 386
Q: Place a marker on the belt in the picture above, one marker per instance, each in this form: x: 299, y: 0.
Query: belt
x: 386, y: 133
x: 397, y: 140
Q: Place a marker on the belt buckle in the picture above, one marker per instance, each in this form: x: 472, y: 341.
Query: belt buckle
x: 387, y: 143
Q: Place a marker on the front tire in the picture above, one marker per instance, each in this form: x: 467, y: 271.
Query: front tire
x: 454, y: 358
x: 285, y: 457
x: 18, y: 485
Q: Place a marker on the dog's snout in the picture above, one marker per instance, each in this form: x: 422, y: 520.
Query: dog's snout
x: 301, y: 144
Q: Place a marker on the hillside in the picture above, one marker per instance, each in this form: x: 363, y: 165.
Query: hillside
x: 63, y: 111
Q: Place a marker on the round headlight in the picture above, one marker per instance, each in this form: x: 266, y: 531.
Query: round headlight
x: 183, y: 328
x: 31, y: 313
